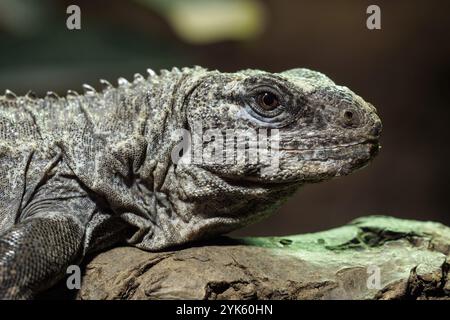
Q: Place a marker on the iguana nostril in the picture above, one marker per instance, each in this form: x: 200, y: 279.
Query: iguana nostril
x: 350, y: 118
x: 348, y: 115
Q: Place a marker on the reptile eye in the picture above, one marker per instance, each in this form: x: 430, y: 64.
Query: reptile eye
x: 268, y: 101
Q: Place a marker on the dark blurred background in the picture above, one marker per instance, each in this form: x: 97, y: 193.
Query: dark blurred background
x: 403, y: 69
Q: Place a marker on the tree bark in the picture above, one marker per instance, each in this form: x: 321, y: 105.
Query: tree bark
x: 370, y: 258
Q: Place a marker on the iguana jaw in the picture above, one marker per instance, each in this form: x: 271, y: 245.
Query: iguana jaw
x: 299, y: 167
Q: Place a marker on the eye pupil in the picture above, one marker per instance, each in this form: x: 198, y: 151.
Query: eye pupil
x: 268, y: 101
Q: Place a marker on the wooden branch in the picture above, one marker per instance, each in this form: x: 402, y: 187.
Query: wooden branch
x: 370, y: 258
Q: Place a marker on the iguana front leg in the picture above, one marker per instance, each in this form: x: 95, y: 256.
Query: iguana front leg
x: 35, y: 253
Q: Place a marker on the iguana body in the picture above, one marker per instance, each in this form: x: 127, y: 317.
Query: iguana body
x: 84, y: 172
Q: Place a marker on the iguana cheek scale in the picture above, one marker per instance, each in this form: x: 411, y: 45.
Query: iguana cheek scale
x: 81, y: 173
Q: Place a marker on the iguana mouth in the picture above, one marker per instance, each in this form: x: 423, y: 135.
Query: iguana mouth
x: 368, y: 141
x: 253, y: 181
x: 256, y: 182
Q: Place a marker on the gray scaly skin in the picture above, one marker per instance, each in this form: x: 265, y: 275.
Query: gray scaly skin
x: 84, y: 172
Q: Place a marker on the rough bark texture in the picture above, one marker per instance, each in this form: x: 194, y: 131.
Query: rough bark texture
x: 342, y: 263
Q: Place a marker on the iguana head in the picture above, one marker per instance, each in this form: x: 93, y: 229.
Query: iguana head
x: 254, y: 138
x: 315, y: 129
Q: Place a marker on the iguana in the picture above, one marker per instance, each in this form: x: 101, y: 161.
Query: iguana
x: 81, y: 173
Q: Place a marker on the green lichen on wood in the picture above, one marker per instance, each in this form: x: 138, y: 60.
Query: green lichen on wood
x: 363, y: 233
